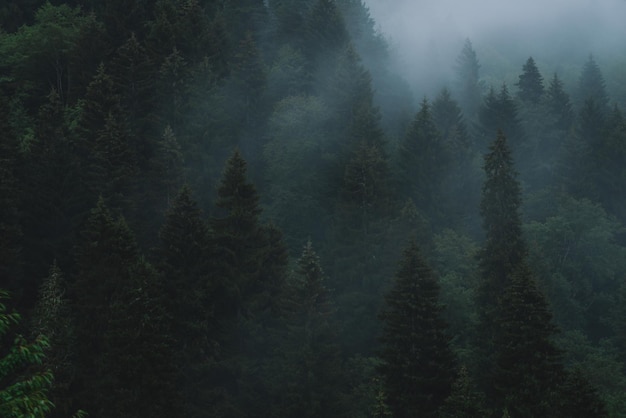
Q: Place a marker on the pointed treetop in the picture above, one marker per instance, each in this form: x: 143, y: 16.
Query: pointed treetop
x: 530, y: 83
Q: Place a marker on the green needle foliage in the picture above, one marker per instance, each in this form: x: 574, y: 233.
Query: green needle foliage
x: 23, y: 388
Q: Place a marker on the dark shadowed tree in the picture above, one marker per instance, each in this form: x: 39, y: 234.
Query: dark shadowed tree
x: 530, y: 83
x: 580, y: 398
x: 423, y: 160
x: 418, y: 366
x: 465, y: 401
x: 528, y: 370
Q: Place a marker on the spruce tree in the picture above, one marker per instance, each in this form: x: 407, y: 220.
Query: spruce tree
x: 418, y: 366
x: 196, y: 302
x: 559, y: 104
x: 503, y: 251
x: 591, y: 85
x: 465, y: 401
x: 119, y: 318
x: 528, y: 366
x: 423, y: 160
x: 314, y: 357
x: 530, y: 83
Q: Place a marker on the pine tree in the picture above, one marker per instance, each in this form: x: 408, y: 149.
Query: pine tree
x: 423, y: 161
x: 559, y: 104
x: 238, y: 233
x: 529, y: 368
x: 504, y: 249
x: 499, y: 112
x: 315, y: 376
x: 418, y: 366
x: 464, y: 400
x: 530, y: 83
x: 591, y: 85
x: 119, y: 318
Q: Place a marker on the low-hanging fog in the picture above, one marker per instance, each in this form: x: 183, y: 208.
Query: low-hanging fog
x: 427, y: 36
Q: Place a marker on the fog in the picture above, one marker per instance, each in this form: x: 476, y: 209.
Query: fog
x: 427, y: 35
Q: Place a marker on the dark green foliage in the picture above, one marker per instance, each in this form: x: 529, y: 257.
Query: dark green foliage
x: 469, y: 88
x: 326, y: 31
x: 10, y: 230
x: 464, y: 400
x: 418, y: 366
x: 529, y: 367
x: 23, y: 388
x: 423, y: 160
x: 52, y: 317
x: 499, y: 113
x: 123, y: 354
x: 314, y: 367
x: 530, y: 83
x: 581, y: 398
x: 504, y: 249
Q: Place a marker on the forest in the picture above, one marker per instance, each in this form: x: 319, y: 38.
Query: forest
x: 216, y: 208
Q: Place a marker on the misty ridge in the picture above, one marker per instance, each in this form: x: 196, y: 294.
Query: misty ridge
x: 425, y: 37
x: 313, y: 208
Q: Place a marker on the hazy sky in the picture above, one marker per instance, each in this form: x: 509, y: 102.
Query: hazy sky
x: 428, y: 34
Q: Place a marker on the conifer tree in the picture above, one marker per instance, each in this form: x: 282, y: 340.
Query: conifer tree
x: 559, y: 104
x: 237, y: 232
x: 499, y: 112
x: 591, y: 85
x: 119, y: 316
x: 467, y: 78
x: 530, y: 83
x: 528, y: 370
x: 423, y: 160
x: 315, y: 381
x: 504, y: 249
x: 465, y: 401
x: 418, y: 366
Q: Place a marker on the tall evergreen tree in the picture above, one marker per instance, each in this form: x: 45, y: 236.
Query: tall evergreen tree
x: 559, y: 104
x: 591, y: 85
x: 499, y: 112
x: 528, y: 370
x: 315, y: 375
x: 195, y: 303
x: 467, y: 78
x: 465, y: 401
x: 504, y: 249
x: 530, y: 83
x: 423, y: 160
x: 119, y: 316
x: 418, y: 366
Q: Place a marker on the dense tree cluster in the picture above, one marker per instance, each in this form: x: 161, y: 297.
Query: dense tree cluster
x: 237, y: 209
